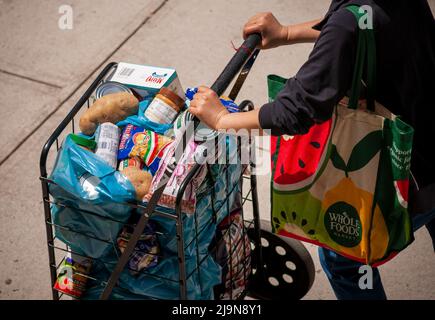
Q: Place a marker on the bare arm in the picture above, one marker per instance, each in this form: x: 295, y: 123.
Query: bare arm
x: 244, y: 121
x: 302, y: 32
x: 274, y: 34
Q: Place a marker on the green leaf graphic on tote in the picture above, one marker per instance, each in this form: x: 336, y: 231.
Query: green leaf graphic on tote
x: 361, y: 154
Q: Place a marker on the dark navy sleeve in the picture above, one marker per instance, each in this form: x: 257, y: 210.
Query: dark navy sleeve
x: 311, y: 95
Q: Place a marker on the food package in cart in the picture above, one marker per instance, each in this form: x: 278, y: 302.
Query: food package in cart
x: 144, y: 144
x: 185, y: 164
x: 147, y: 80
x: 73, y: 275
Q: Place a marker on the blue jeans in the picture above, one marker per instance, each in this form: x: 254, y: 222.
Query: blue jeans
x: 343, y: 273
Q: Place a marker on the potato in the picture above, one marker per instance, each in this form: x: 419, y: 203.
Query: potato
x: 140, y: 179
x: 110, y: 108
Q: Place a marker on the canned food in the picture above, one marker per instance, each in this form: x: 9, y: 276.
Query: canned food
x: 109, y: 87
x: 107, y: 138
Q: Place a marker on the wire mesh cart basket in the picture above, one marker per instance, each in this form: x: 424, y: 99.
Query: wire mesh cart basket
x: 240, y: 249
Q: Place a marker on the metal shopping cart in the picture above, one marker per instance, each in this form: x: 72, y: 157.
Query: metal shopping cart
x: 278, y: 267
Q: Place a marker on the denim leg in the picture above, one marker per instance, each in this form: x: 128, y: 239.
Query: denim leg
x: 343, y: 273
x: 344, y: 277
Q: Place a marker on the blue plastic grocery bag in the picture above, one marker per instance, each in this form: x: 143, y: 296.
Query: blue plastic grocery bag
x: 199, y: 284
x: 89, y: 200
x: 140, y: 120
x: 160, y: 282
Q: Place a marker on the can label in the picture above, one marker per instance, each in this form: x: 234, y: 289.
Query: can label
x: 160, y: 112
x: 106, y: 88
x: 107, y: 139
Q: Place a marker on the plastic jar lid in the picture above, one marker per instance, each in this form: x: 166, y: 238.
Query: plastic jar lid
x: 175, y: 98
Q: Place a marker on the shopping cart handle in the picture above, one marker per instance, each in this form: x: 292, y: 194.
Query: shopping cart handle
x: 236, y: 63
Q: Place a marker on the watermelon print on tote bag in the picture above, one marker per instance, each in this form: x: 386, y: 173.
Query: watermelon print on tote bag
x: 344, y: 184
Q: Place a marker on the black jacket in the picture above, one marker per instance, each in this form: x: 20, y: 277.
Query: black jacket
x: 405, y: 43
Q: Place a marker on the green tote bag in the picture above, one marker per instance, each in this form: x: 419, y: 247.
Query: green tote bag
x: 344, y: 184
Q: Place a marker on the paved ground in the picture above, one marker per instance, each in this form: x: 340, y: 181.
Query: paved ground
x: 44, y: 70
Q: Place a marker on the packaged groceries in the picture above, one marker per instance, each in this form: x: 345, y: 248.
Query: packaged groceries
x: 144, y: 144
x: 231, y: 106
x: 234, y: 256
x: 72, y: 276
x: 165, y: 107
x: 146, y: 80
x: 107, y: 138
x: 110, y: 108
x: 130, y: 162
x: 145, y: 254
x: 185, y: 164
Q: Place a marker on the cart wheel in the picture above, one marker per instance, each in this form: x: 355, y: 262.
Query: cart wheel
x: 287, y: 268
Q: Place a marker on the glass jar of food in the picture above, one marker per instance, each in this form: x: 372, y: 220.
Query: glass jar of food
x: 165, y: 107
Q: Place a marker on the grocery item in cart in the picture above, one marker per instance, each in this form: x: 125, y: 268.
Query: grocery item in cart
x: 130, y: 162
x: 109, y: 87
x: 165, y: 107
x: 144, y: 144
x: 233, y: 254
x: 73, y: 275
x: 231, y: 106
x: 147, y: 80
x: 183, y: 167
x: 140, y: 179
x: 145, y: 254
x: 140, y: 120
x: 107, y: 139
x: 110, y: 108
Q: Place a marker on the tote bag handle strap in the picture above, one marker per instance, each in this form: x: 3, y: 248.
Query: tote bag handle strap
x: 365, y: 56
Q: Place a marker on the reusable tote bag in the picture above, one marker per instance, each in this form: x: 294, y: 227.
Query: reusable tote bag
x: 344, y: 184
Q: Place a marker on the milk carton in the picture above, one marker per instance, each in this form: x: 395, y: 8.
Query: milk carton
x: 147, y: 80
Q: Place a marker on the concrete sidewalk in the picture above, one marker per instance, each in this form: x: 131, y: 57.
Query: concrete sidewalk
x: 44, y: 70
